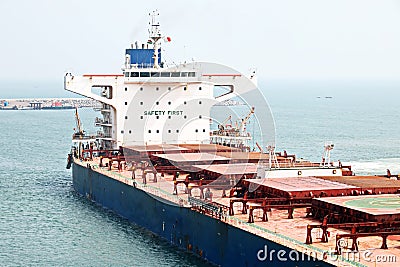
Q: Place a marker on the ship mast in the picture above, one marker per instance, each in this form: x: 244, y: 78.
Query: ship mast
x: 155, y: 35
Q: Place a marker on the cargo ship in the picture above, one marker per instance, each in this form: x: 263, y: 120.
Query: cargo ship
x: 173, y: 154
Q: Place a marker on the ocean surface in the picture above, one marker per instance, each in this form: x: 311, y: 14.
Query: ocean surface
x: 361, y: 119
x: 43, y: 222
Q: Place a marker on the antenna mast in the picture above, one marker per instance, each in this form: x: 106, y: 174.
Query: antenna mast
x: 155, y: 35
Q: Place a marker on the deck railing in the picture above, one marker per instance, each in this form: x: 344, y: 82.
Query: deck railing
x: 156, y: 191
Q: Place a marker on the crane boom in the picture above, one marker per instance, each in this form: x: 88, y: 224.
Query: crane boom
x: 223, y: 124
x: 259, y: 147
x: 78, y: 123
x: 244, y: 121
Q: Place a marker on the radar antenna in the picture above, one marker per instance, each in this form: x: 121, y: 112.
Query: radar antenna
x: 155, y: 36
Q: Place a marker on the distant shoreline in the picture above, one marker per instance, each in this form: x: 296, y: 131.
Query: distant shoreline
x: 46, y: 103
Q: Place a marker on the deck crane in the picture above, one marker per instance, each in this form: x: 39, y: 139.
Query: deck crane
x: 222, y: 126
x: 259, y: 147
x: 242, y: 125
x: 78, y: 131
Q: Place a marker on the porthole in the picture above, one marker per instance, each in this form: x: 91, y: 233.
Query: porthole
x: 158, y: 131
x: 141, y: 117
x: 199, y: 102
x: 157, y: 88
x: 184, y: 102
x: 157, y: 103
x: 149, y: 131
x: 185, y: 117
x: 126, y: 89
x: 200, y: 88
x: 177, y: 131
x: 126, y: 103
x: 169, y: 88
x: 169, y: 131
x: 196, y: 130
x: 169, y: 117
x: 122, y: 131
x: 141, y: 88
x: 200, y: 117
x: 126, y: 117
x: 184, y: 88
x: 130, y: 131
x: 141, y: 103
x: 299, y: 173
x: 169, y: 103
x: 157, y: 117
x: 334, y: 171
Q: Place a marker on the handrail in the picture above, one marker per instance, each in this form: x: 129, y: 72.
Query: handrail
x: 145, y: 187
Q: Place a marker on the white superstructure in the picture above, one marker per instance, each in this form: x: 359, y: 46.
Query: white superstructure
x: 150, y: 103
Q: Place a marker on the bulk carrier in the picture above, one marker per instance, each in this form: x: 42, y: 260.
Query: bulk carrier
x: 174, y: 154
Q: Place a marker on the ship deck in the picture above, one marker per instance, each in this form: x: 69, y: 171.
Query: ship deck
x: 380, y: 183
x: 300, y: 186
x: 288, y: 232
x: 378, y: 208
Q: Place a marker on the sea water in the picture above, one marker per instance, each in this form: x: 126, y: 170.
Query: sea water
x: 43, y: 222
x: 361, y: 119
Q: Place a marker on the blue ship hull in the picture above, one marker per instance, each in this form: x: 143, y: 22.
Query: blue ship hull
x: 210, y: 238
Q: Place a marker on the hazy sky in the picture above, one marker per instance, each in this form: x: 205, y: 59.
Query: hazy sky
x: 285, y: 39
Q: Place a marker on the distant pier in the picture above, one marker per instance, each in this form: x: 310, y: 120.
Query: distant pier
x: 46, y: 103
